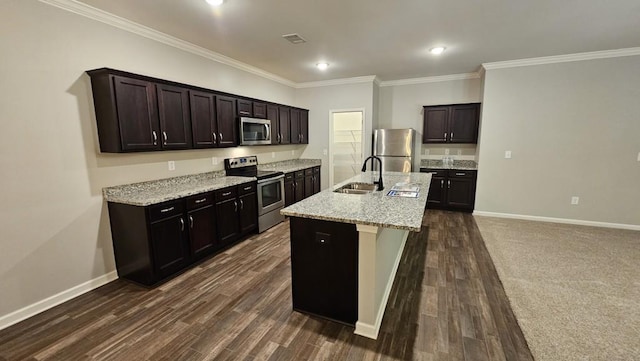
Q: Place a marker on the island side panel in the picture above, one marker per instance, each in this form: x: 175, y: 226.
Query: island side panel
x: 324, y: 269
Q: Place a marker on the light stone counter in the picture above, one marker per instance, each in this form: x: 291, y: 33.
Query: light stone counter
x: 373, y: 209
x: 457, y: 164
x: 158, y: 191
x: 291, y: 165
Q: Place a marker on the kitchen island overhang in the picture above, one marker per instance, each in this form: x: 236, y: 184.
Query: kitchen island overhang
x: 340, y: 241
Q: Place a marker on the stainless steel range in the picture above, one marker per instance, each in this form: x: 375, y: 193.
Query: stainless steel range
x: 270, y: 189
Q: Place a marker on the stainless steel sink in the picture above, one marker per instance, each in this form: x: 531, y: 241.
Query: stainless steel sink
x: 357, y: 188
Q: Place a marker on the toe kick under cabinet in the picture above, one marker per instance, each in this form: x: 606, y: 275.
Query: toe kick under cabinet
x: 452, y: 189
x: 152, y: 243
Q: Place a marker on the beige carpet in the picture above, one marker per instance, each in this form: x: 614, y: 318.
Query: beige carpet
x: 575, y: 290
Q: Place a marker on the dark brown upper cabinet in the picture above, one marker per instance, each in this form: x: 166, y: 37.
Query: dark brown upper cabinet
x: 260, y: 110
x: 136, y: 113
x: 226, y: 116
x: 174, y: 114
x: 245, y: 108
x: 294, y: 118
x: 299, y: 126
x: 203, y: 119
x: 304, y: 126
x: 284, y: 125
x: 456, y: 123
x: 272, y: 115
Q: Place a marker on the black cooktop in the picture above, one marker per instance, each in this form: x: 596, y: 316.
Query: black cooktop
x: 247, y: 167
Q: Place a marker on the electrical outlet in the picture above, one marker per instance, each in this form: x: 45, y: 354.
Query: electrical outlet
x: 273, y: 154
x: 507, y: 154
x: 214, y: 161
x: 638, y: 156
x: 324, y: 152
x: 446, y: 151
x: 459, y: 151
x: 293, y: 152
x: 575, y: 200
x: 171, y: 165
x: 426, y: 152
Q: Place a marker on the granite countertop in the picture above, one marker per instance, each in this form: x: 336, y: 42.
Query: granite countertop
x: 158, y: 191
x: 375, y: 209
x: 457, y: 164
x: 291, y: 165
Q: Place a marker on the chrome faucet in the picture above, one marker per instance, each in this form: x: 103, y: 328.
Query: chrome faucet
x: 364, y: 169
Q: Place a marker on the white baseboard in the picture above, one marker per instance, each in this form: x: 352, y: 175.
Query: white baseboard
x: 371, y: 331
x: 632, y: 227
x: 50, y: 302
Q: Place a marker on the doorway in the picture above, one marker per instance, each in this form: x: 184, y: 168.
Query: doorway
x: 345, y: 146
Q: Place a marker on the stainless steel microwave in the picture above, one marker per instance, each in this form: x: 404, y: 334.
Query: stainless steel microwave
x: 255, y: 131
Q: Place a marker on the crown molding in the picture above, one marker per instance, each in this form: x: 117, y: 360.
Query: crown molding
x: 562, y: 58
x: 354, y: 80
x: 430, y: 79
x: 149, y: 33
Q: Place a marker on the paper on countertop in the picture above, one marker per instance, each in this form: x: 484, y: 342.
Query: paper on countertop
x: 405, y: 187
x: 405, y: 194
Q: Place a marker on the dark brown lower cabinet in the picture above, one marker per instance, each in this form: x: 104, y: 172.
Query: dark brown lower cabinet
x: 301, y: 184
x: 158, y: 241
x: 451, y: 189
x: 324, y: 269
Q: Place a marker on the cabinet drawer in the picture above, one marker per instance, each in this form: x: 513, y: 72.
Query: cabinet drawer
x: 246, y: 188
x: 436, y: 172
x: 462, y: 173
x: 308, y: 171
x: 165, y: 210
x: 226, y: 193
x: 299, y: 174
x: 288, y: 177
x: 199, y: 200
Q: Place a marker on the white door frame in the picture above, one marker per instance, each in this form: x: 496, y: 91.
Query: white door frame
x: 331, y: 112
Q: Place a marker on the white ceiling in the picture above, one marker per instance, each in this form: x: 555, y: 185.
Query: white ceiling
x: 389, y: 39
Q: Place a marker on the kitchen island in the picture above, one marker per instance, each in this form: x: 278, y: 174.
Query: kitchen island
x: 346, y: 248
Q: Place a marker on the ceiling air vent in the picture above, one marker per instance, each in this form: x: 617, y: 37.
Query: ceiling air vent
x: 294, y: 38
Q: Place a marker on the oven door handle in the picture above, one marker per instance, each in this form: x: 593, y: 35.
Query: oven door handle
x: 271, y: 179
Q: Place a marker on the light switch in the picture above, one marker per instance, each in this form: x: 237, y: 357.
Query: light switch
x: 507, y: 154
x: 171, y: 165
x: 273, y: 154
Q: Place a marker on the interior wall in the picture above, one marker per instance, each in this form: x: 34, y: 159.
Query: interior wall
x: 54, y: 223
x: 324, y: 99
x: 400, y: 106
x: 573, y: 130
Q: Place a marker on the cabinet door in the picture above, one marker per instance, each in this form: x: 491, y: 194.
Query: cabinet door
x: 437, y: 191
x: 298, y: 185
x: 285, y: 125
x: 137, y: 114
x: 461, y: 192
x: 289, y: 192
x: 248, y: 213
x: 463, y: 124
x: 169, y: 244
x: 316, y: 180
x: 202, y: 231
x: 435, y: 127
x: 272, y: 115
x: 294, y: 117
x: 227, y: 221
x: 304, y: 126
x: 226, y: 121
x: 308, y: 186
x: 259, y: 110
x: 173, y: 111
x: 203, y: 119
x: 245, y: 108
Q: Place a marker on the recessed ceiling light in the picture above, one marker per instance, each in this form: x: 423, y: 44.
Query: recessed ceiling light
x: 437, y: 50
x: 215, y: 2
x: 322, y: 66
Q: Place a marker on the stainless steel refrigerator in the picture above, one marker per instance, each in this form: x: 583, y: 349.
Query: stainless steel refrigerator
x: 395, y: 147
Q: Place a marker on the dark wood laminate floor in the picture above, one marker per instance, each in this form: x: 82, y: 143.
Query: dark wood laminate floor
x: 447, y: 303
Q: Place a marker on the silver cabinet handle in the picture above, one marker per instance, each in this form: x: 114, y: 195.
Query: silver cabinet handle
x: 213, y: 136
x: 164, y: 136
x: 155, y: 137
x: 451, y: 136
x: 449, y: 184
x: 220, y: 136
x: 461, y: 173
x: 226, y: 194
x: 181, y: 224
x: 241, y: 205
x: 442, y: 183
x: 167, y: 209
x: 191, y: 222
x: 201, y: 200
x: 247, y: 188
x: 445, y: 136
x: 235, y: 205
